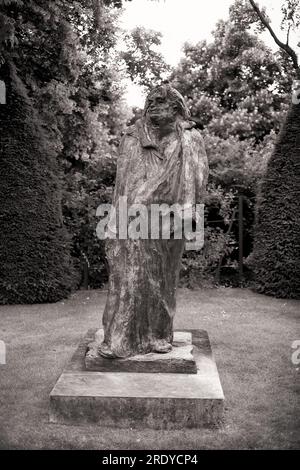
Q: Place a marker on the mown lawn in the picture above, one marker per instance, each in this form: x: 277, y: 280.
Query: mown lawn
x: 251, y: 337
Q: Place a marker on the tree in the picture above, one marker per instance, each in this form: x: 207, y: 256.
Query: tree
x: 90, y: 138
x: 236, y: 90
x: 144, y: 64
x: 276, y: 257
x: 34, y: 248
x: 73, y: 82
x: 235, y: 80
x: 290, y: 21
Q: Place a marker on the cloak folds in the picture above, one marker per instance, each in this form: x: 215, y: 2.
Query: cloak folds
x: 143, y: 274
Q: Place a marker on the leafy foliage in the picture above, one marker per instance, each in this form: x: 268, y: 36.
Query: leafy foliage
x: 291, y: 14
x: 85, y: 191
x: 145, y: 65
x: 200, y: 267
x: 238, y: 93
x: 65, y: 53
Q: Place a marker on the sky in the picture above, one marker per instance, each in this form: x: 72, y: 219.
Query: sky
x: 184, y: 20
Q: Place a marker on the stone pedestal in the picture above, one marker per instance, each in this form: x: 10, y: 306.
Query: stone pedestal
x: 179, y: 360
x: 157, y: 400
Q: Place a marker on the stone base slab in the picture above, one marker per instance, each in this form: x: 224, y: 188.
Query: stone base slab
x: 136, y: 399
x: 179, y: 360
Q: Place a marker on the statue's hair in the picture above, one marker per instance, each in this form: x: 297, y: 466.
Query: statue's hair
x: 171, y: 94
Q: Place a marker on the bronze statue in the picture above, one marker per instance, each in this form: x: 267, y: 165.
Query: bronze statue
x: 162, y: 159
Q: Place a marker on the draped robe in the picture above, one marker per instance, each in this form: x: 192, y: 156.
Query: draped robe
x: 143, y: 273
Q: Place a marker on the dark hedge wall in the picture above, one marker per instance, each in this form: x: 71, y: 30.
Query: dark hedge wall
x: 277, y: 231
x: 34, y: 248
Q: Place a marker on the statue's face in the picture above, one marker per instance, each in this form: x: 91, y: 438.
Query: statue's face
x: 160, y: 109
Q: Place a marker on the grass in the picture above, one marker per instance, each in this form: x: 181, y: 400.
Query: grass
x: 251, y: 336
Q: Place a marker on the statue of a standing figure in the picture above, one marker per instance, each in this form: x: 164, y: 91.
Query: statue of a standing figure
x: 162, y: 159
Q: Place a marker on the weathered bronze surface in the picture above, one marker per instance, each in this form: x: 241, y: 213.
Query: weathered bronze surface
x: 162, y: 159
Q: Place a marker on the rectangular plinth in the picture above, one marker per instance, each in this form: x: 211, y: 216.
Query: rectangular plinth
x: 137, y: 399
x: 179, y: 360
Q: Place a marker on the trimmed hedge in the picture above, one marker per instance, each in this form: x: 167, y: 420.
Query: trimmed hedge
x: 276, y: 255
x: 34, y: 248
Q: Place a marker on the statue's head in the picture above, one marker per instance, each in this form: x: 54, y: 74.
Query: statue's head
x: 164, y: 104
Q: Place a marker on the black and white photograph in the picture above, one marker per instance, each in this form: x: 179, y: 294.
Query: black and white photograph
x: 149, y: 228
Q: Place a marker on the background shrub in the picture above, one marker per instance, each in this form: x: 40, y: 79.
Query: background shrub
x: 34, y: 246
x: 276, y: 256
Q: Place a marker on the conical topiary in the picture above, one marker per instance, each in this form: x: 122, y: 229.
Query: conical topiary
x: 276, y: 254
x: 34, y: 249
